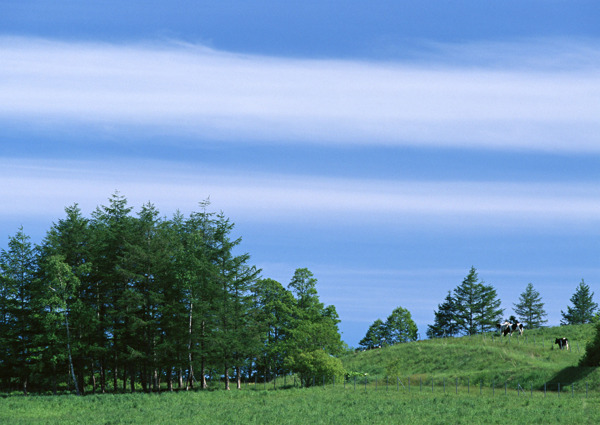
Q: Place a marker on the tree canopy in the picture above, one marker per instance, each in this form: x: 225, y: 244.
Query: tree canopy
x: 120, y: 301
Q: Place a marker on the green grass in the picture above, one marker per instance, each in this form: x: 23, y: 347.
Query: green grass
x: 311, y: 406
x: 529, y: 359
x: 487, y: 381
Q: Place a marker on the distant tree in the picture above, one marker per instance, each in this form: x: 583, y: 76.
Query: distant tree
x: 478, y: 308
x: 583, y: 306
x: 399, y: 327
x: 375, y: 335
x: 444, y: 323
x: 530, y: 308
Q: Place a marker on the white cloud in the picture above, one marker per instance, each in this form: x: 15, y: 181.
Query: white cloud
x: 194, y: 90
x: 43, y: 188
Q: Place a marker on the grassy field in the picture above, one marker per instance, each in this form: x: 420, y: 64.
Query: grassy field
x: 477, y: 380
x: 293, y: 406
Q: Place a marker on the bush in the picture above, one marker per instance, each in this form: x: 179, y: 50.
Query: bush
x: 317, y: 364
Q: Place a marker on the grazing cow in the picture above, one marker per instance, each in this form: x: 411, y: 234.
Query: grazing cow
x: 517, y: 326
x: 562, y: 343
x: 508, y: 328
x: 504, y: 328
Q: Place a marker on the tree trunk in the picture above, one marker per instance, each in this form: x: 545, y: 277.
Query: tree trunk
x: 102, y: 376
x: 203, y: 359
x: 170, y: 379
x: 70, y: 359
x: 190, y: 383
x: 238, y: 374
x: 227, y: 378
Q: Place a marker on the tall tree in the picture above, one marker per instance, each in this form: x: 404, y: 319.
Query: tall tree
x: 68, y: 239
x: 316, y: 325
x: 478, y: 308
x: 444, y: 324
x: 583, y: 306
x: 275, y: 312
x: 18, y: 275
x: 399, y: 327
x: 110, y: 228
x: 530, y: 308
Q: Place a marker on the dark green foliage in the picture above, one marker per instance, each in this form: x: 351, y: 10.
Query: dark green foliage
x: 375, y: 336
x: 583, y: 306
x: 530, y: 308
x: 592, y: 350
x: 444, y: 323
x: 121, y: 302
x: 477, y: 306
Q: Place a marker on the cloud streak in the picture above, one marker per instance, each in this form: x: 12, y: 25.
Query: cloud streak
x: 192, y: 90
x: 31, y: 188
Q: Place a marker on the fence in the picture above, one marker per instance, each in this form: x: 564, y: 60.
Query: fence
x: 431, y: 385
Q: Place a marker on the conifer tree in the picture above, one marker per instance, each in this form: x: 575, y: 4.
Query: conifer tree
x: 478, y: 308
x: 444, y: 324
x: 583, y: 306
x: 530, y: 308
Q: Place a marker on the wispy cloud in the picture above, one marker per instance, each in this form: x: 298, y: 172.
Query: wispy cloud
x: 187, y: 89
x: 30, y: 187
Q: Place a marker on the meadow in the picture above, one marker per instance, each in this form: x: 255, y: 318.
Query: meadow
x: 476, y: 380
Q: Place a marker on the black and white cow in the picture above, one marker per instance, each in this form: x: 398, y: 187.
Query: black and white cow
x: 508, y: 328
x: 505, y: 328
x: 562, y: 343
x: 517, y: 327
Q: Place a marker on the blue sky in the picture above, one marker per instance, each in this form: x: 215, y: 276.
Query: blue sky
x: 387, y: 146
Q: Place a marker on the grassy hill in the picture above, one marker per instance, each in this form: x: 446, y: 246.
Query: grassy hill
x: 529, y: 359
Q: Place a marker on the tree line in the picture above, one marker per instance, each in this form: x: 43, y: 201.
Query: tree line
x: 119, y: 301
x: 474, y: 307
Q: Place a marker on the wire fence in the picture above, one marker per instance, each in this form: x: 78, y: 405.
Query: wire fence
x: 430, y: 385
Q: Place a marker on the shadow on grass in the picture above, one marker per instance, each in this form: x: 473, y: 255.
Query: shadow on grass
x: 569, y: 375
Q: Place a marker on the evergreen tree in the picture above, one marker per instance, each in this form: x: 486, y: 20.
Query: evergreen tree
x: 530, y: 308
x: 444, y: 324
x: 17, y: 287
x: 478, y: 309
x: 583, y: 306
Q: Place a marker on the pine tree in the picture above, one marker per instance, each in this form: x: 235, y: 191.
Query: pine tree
x: 478, y: 308
x: 444, y: 324
x: 530, y: 308
x: 17, y: 286
x: 583, y: 306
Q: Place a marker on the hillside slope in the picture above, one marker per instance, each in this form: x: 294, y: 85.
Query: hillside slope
x: 532, y: 358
